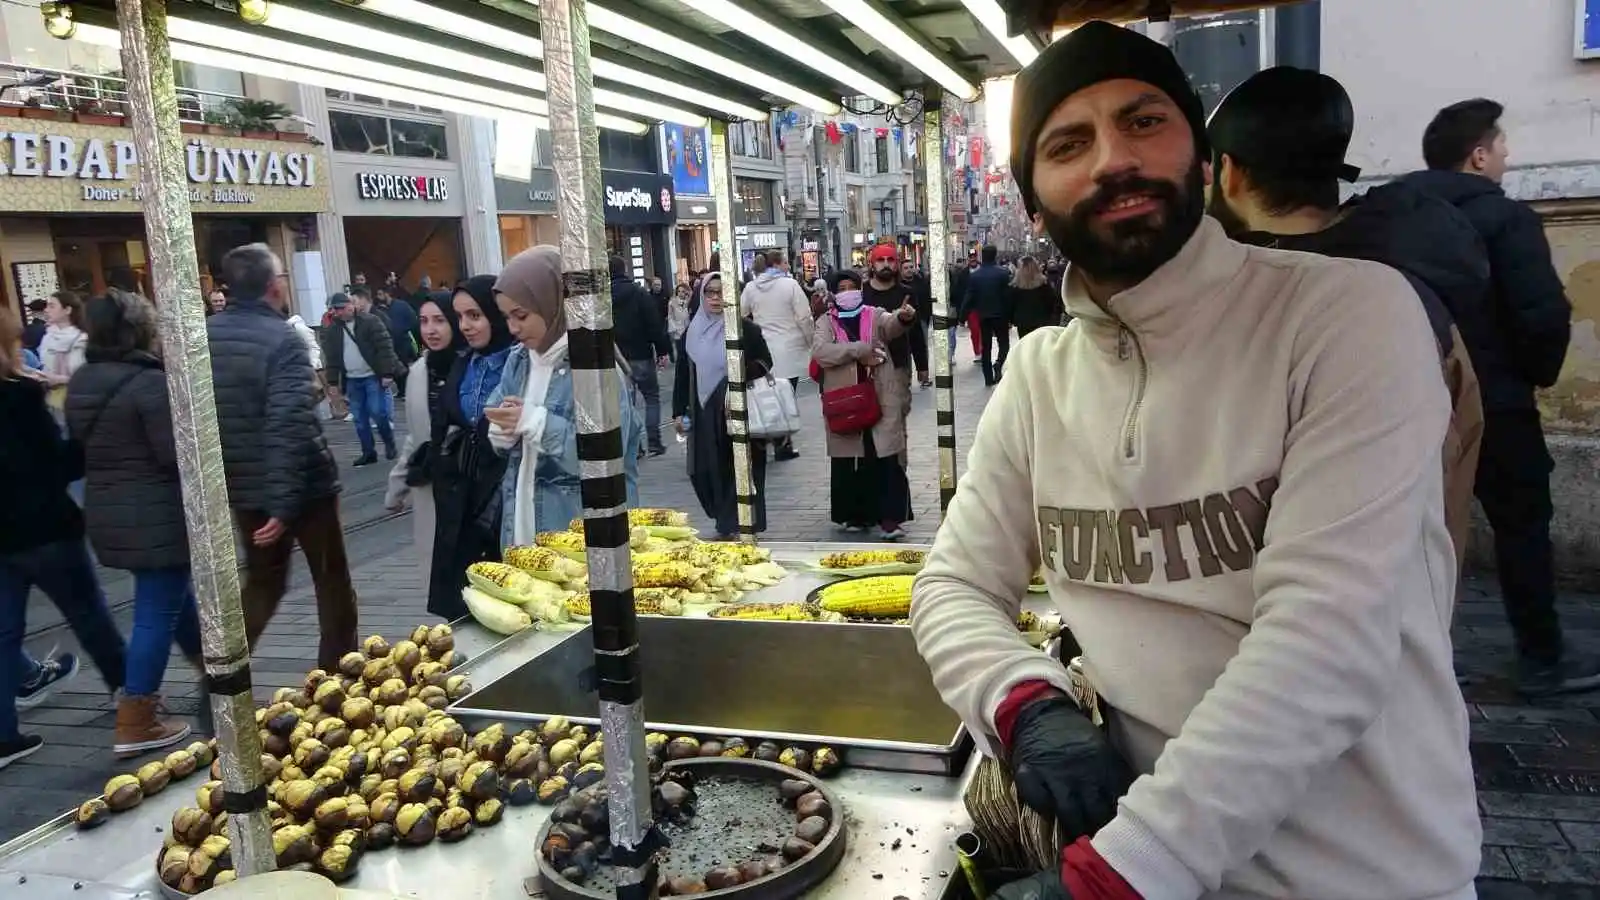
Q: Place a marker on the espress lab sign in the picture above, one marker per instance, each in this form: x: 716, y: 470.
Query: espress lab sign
x: 382, y: 186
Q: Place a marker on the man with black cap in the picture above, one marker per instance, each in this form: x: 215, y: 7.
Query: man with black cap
x: 1278, y: 143
x: 1230, y: 475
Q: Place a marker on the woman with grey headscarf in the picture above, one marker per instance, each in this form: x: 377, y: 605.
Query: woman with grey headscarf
x: 533, y: 417
x: 699, y: 392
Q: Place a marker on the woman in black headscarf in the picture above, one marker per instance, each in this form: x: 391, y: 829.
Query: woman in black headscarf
x: 464, y: 468
x: 411, y: 479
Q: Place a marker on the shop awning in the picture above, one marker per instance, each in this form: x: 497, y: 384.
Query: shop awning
x: 654, y: 60
x: 1044, y: 16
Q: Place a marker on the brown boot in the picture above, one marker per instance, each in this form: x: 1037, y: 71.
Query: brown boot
x: 141, y: 729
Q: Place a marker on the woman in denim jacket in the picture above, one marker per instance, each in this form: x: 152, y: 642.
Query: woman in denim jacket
x: 532, y: 416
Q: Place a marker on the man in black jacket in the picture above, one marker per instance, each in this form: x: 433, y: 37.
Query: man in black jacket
x: 1278, y: 144
x: 987, y: 299
x: 282, y: 481
x: 359, y: 362
x: 642, y: 340
x: 1520, y: 344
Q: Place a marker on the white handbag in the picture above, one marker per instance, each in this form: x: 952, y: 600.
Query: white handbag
x: 771, y: 411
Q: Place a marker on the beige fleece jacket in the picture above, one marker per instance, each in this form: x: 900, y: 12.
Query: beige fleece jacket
x: 1232, y: 479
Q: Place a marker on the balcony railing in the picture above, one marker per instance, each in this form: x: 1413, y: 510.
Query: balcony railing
x: 101, y: 94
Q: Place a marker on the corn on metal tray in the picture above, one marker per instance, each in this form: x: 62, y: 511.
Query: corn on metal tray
x: 860, y: 688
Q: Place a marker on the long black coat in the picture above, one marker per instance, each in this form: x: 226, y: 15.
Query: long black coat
x: 710, y: 456
x: 273, y: 449
x: 466, y: 473
x: 133, y: 505
x: 36, y: 465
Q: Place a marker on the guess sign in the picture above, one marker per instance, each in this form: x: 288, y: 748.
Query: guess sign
x: 377, y: 186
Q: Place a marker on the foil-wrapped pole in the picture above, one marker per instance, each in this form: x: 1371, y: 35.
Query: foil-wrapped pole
x: 169, y: 232
x: 939, y: 280
x: 744, y: 484
x: 598, y: 395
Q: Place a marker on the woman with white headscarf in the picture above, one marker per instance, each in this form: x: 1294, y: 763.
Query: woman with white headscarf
x: 533, y: 418
x: 699, y: 394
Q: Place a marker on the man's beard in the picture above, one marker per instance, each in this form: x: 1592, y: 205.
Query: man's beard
x: 1219, y: 209
x: 885, y: 275
x: 1135, y: 247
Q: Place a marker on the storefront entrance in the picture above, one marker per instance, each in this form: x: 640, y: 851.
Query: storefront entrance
x: 96, y: 252
x: 409, y: 247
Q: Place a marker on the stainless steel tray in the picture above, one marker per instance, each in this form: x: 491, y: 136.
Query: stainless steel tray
x: 860, y: 688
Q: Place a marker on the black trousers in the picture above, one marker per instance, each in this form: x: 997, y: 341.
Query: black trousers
x: 918, y: 333
x: 994, y: 330
x: 1513, y: 485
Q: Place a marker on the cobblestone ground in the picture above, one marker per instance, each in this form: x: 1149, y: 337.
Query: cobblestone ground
x: 1538, y: 765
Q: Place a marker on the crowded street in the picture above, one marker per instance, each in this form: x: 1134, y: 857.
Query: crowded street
x: 1537, y: 764
x: 840, y: 449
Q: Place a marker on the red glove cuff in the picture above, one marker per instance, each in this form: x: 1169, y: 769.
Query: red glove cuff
x: 1005, y: 718
x: 1089, y: 877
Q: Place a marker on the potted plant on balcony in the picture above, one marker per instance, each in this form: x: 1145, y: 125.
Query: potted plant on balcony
x: 34, y: 108
x: 257, y: 118
x: 221, y: 122
x: 95, y: 112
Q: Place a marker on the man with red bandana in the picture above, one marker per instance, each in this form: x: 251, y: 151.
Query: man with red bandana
x: 1228, y: 467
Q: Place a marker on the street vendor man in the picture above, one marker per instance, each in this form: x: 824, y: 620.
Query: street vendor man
x: 1228, y: 467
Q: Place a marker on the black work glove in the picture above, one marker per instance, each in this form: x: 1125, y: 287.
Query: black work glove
x: 1041, y: 886
x: 1065, y: 767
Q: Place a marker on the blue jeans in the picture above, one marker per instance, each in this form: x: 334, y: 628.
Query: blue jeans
x: 370, y: 402
x: 163, y: 611
x: 63, y: 571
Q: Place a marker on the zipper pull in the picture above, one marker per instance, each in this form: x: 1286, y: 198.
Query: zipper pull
x: 1123, y: 351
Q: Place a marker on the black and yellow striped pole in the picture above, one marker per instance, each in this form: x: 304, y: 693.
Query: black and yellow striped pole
x: 169, y: 223
x: 939, y: 283
x: 598, y: 392
x: 737, y: 417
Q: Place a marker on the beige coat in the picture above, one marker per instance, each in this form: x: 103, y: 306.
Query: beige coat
x: 838, y: 362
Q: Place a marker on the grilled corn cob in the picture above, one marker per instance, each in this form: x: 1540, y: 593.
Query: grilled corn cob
x: 646, y: 602
x: 493, y: 614
x: 564, y: 541
x: 636, y: 534
x: 772, y: 612
x: 655, y: 557
x: 851, y: 559
x: 501, y: 581
x: 661, y: 517
x: 666, y: 575
x: 533, y: 559
x: 880, y: 596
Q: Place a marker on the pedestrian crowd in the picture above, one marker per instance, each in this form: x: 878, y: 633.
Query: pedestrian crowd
x: 1313, y: 391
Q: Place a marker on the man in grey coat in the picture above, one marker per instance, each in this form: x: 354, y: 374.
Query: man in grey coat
x: 282, y: 481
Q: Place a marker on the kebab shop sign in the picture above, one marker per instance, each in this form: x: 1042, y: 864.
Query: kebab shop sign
x: 82, y: 168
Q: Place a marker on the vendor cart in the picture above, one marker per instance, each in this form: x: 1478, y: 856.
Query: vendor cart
x: 902, y: 799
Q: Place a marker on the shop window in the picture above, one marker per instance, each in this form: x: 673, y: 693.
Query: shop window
x: 752, y: 139
x: 369, y: 100
x: 628, y: 152
x: 363, y: 133
x: 420, y: 140
x: 755, y: 198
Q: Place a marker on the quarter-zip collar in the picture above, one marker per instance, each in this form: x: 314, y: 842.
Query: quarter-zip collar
x: 1162, y: 306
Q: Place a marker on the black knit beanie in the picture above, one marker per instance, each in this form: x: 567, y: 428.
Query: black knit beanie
x: 1092, y: 53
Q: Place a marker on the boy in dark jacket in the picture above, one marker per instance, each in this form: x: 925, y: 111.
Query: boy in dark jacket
x: 1518, y: 344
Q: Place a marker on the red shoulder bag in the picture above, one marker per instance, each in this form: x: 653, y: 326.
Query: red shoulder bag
x: 853, y: 408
